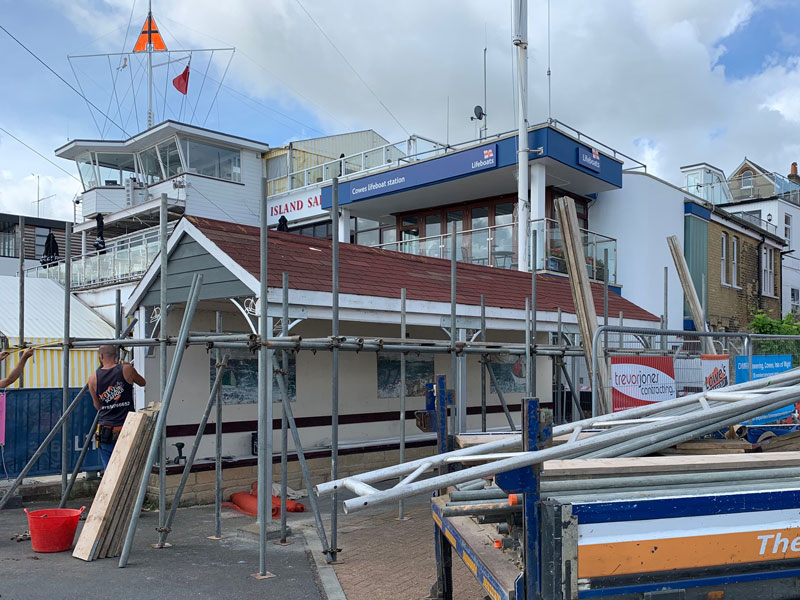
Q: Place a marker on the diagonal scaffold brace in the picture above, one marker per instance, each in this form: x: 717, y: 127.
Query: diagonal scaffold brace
x: 191, y: 305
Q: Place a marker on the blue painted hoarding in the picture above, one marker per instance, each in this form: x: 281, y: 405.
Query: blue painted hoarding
x: 30, y: 415
x: 763, y: 367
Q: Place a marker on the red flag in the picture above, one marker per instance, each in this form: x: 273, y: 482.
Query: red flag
x: 181, y: 82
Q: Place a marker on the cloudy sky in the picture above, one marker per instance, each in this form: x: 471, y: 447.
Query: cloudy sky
x: 669, y: 83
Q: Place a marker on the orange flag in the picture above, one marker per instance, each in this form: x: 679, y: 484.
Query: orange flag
x: 150, y: 35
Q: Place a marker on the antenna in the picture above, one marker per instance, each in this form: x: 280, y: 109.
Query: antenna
x: 549, y: 92
x: 447, y: 136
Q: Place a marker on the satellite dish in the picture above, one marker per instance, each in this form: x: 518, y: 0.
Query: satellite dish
x: 479, y: 114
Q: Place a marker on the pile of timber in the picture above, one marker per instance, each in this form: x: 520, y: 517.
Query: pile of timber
x: 104, y: 531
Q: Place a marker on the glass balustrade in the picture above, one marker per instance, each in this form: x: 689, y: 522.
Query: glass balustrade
x: 124, y: 259
x: 497, y: 246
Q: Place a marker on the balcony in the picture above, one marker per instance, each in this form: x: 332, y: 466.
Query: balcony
x: 125, y: 259
x: 497, y: 247
x: 758, y: 222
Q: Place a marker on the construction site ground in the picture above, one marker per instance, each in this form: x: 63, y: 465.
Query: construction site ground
x: 382, y: 558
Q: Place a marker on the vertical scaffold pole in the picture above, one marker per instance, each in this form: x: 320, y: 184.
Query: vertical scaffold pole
x: 265, y: 371
x: 162, y: 334
x: 21, y: 317
x: 284, y: 401
x: 400, y: 511
x: 334, y: 548
x: 218, y: 445
x: 484, y: 357
x: 532, y: 351
x: 65, y: 445
x: 453, y: 330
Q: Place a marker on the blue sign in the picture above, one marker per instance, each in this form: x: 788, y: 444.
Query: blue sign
x: 763, y: 367
x: 589, y: 159
x: 446, y: 167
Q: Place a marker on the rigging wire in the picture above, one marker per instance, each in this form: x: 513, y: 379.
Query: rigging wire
x: 310, y: 101
x: 202, y: 83
x: 114, y: 76
x: 78, y: 81
x: 352, y: 68
x: 59, y: 167
x: 230, y: 60
x: 67, y: 83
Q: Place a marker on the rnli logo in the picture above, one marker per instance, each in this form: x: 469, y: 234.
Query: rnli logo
x: 488, y: 153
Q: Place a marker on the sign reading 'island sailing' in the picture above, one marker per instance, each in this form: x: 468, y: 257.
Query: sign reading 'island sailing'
x: 447, y: 167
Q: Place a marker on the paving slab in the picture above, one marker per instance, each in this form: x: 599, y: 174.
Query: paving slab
x: 194, y: 567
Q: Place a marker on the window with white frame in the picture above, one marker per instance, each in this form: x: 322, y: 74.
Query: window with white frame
x: 724, y: 262
x: 795, y: 295
x: 747, y: 179
x: 768, y: 272
x: 735, y: 261
x: 787, y: 228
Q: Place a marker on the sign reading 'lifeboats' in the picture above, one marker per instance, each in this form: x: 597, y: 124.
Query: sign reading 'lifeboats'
x: 641, y: 380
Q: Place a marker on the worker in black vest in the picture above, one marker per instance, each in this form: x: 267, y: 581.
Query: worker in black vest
x: 111, y: 387
x: 16, y: 371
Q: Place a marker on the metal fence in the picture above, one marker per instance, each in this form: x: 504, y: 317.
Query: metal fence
x: 30, y: 415
x: 651, y: 365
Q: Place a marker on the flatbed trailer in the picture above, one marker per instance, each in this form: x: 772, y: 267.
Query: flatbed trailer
x: 732, y: 546
x: 702, y: 546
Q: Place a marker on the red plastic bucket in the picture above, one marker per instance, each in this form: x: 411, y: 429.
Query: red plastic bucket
x: 53, y: 529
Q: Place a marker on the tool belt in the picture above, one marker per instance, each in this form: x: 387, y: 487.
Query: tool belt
x: 107, y: 434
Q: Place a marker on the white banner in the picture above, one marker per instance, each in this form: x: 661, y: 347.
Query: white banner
x: 716, y: 371
x: 295, y: 205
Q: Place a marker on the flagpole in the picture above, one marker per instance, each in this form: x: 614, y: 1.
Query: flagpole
x: 149, y: 26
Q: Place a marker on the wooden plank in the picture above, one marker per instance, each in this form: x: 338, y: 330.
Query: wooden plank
x: 695, y: 308
x: 582, y: 295
x: 465, y: 440
x: 576, y: 467
x: 109, y: 489
x: 126, y: 510
x: 782, y: 443
x: 121, y: 512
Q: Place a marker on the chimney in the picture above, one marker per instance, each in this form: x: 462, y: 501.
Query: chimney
x: 793, y: 176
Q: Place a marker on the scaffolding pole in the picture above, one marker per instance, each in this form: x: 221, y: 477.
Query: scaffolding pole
x: 264, y: 400
x: 400, y: 513
x: 21, y: 316
x: 65, y: 445
x: 163, y: 334
x: 218, y: 445
x: 335, y: 366
x: 284, y: 422
x: 161, y: 421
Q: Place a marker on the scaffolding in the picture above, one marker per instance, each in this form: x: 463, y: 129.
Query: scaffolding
x: 273, y: 352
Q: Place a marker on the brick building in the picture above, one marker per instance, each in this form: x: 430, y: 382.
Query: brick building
x: 744, y: 273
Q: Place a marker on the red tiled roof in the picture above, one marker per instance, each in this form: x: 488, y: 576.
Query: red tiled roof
x: 373, y: 272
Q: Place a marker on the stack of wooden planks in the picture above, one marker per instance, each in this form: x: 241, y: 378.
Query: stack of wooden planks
x: 788, y: 442
x: 106, y: 525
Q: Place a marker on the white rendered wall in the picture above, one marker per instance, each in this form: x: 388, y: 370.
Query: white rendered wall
x: 641, y: 216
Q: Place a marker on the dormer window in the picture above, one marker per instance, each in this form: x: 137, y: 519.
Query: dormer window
x: 747, y: 180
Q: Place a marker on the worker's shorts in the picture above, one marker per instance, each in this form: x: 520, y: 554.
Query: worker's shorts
x: 105, y: 453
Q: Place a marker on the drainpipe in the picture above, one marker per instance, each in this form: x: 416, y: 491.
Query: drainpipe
x: 760, y: 270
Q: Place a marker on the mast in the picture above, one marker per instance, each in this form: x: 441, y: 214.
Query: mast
x: 149, y: 26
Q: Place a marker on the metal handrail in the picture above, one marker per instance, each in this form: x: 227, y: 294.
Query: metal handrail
x: 439, y: 147
x: 113, y: 264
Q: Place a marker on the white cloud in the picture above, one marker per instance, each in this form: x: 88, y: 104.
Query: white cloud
x: 18, y: 177
x: 623, y: 71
